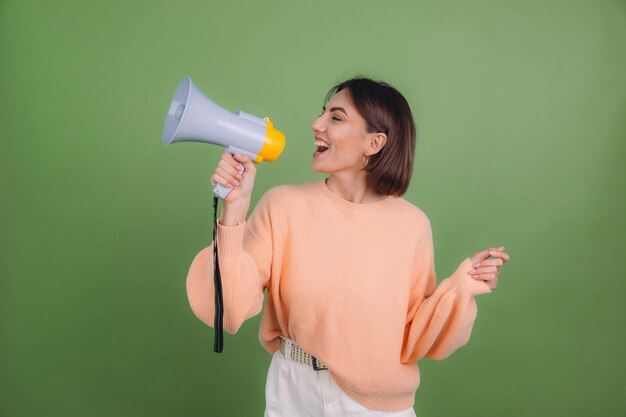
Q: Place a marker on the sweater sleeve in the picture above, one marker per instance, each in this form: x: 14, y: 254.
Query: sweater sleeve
x: 245, y: 253
x: 440, y: 318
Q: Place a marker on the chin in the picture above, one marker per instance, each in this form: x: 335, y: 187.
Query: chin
x: 315, y: 167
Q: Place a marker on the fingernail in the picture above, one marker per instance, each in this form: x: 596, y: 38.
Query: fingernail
x: 475, y: 265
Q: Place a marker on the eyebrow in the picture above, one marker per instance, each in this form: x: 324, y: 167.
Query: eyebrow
x: 337, y: 109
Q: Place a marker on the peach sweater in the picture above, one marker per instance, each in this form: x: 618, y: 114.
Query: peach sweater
x: 353, y: 284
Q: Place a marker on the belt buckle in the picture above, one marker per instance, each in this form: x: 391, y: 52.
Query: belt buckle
x: 316, y: 365
x: 286, y: 347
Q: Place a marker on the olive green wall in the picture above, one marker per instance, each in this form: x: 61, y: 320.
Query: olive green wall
x: 520, y: 108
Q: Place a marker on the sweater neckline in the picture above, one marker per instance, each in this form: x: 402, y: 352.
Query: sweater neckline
x: 354, y: 207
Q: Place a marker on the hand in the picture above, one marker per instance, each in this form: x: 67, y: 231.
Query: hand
x: 488, y: 269
x: 227, y: 174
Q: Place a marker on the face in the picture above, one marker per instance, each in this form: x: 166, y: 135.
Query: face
x: 341, y: 138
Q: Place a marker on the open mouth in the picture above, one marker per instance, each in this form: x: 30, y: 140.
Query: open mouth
x: 321, y: 146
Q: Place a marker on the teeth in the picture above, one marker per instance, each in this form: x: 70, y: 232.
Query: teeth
x: 322, y: 143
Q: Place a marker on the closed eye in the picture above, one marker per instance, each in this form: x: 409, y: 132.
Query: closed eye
x: 335, y: 118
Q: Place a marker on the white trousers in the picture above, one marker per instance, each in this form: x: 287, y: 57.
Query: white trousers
x: 294, y: 389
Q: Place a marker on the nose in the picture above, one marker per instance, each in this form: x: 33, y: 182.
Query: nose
x: 318, y: 124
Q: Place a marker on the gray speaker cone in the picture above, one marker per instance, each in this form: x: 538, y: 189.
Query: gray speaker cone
x: 176, y: 111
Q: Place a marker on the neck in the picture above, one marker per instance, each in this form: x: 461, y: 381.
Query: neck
x: 352, y: 188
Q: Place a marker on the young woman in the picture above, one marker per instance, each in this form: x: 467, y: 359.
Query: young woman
x: 348, y: 264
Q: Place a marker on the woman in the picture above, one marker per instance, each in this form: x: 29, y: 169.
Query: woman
x: 348, y: 264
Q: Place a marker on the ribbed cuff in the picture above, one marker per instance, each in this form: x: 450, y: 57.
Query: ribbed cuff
x: 230, y: 241
x: 464, y: 283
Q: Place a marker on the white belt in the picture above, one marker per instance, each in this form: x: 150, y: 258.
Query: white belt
x: 293, y: 352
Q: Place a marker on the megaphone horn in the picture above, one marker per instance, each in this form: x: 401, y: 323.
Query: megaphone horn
x: 192, y: 117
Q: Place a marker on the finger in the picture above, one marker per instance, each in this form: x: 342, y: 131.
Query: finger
x: 227, y: 157
x: 491, y: 284
x: 504, y: 256
x: 247, y: 163
x: 489, y: 262
x: 487, y: 270
x: 227, y: 176
x: 486, y: 277
x: 483, y: 254
x: 217, y: 179
x: 496, y: 249
x: 233, y: 171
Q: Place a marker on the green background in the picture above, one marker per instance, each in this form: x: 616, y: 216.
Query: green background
x: 520, y: 108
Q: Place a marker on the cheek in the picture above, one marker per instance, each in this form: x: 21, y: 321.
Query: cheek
x: 350, y: 155
x: 348, y: 140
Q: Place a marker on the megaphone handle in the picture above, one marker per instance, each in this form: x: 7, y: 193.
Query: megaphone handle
x: 221, y: 191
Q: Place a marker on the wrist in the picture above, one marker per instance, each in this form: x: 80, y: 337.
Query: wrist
x: 234, y: 213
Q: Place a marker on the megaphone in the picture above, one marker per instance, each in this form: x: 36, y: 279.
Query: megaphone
x: 192, y: 117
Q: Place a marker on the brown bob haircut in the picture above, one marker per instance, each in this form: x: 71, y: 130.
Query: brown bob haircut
x: 385, y: 110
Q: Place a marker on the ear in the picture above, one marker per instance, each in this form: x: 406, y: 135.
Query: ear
x: 376, y: 142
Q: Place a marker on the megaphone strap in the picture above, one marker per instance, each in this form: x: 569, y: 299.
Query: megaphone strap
x: 218, y: 341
